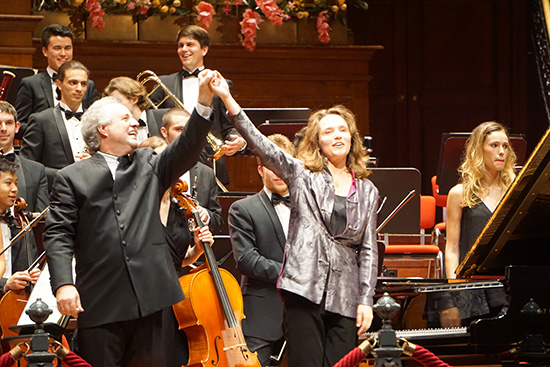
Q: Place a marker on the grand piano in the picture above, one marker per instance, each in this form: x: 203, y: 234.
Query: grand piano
x: 512, y: 251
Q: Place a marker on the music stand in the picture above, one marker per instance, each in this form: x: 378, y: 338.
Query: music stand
x: 288, y: 129
x: 20, y: 73
x: 450, y: 154
x: 278, y: 115
x: 395, y: 184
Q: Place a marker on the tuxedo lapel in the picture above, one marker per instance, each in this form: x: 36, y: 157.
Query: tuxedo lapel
x: 21, y: 184
x: 177, y: 86
x: 274, y: 218
x: 63, y: 135
x: 46, y: 85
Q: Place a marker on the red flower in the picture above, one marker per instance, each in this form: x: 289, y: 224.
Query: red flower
x: 323, y: 27
x: 204, y: 14
x: 96, y: 14
x: 271, y: 11
x: 249, y: 26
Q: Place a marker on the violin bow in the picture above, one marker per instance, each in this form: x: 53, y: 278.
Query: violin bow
x: 25, y: 229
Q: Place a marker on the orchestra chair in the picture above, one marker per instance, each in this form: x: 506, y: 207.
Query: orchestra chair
x: 440, y: 201
x: 410, y: 254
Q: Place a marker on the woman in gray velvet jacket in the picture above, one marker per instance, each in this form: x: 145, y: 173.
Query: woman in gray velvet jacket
x: 330, y: 265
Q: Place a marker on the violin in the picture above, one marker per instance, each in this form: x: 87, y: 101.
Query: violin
x: 13, y: 303
x: 212, y: 310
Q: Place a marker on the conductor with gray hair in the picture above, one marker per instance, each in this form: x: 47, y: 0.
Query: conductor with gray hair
x: 104, y: 210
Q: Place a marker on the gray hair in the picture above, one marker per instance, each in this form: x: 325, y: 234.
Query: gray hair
x: 94, y: 116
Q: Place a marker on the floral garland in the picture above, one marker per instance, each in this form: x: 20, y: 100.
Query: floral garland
x: 276, y: 11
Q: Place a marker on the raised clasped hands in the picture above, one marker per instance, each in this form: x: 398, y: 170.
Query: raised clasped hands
x: 205, y: 92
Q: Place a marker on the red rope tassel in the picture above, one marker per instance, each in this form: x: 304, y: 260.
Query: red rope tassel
x: 427, y: 358
x: 6, y: 360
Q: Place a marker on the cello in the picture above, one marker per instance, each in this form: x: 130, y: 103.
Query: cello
x: 212, y: 310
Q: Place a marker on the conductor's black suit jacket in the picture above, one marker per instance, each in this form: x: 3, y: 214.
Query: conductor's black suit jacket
x: 123, y: 266
x: 35, y: 95
x: 258, y: 241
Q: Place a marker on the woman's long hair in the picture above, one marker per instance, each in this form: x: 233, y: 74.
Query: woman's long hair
x: 472, y: 168
x: 309, y: 149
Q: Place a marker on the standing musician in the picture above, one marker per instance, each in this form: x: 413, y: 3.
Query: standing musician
x: 201, y: 182
x: 258, y: 226
x: 331, y: 256
x: 53, y: 136
x: 193, y: 43
x: 134, y: 96
x: 32, y: 186
x: 37, y: 92
x: 105, y: 211
x: 172, y: 344
x: 486, y: 172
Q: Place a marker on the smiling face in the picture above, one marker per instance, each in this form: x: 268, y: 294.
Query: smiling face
x: 120, y: 136
x: 334, y: 138
x: 495, y: 151
x: 191, y: 53
x: 8, y: 128
x: 8, y: 190
x: 58, y: 52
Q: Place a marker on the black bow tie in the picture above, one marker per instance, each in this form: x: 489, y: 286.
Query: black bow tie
x: 9, y: 219
x: 276, y: 199
x: 187, y: 74
x: 141, y: 122
x: 9, y: 156
x: 70, y: 114
x: 54, y: 77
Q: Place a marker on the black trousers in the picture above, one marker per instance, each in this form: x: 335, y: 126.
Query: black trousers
x: 120, y: 344
x: 315, y: 337
x: 264, y: 348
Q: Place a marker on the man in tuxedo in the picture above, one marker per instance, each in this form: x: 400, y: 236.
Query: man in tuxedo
x: 200, y: 179
x: 105, y: 212
x: 134, y: 96
x: 54, y: 136
x: 258, y: 226
x: 37, y: 92
x: 193, y: 43
x: 32, y: 186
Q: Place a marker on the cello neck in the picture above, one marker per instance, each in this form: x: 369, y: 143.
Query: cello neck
x: 217, y: 278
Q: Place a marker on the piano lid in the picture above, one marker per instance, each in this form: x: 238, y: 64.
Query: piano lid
x: 518, y: 232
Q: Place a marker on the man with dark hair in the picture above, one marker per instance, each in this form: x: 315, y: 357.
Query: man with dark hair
x: 32, y: 186
x: 193, y: 43
x: 258, y: 226
x: 134, y: 96
x: 54, y: 136
x: 105, y: 212
x: 200, y: 179
x: 37, y: 92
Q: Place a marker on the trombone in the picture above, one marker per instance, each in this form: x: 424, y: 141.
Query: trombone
x: 215, y: 143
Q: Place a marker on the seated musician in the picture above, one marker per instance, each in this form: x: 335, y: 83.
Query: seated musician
x: 171, y: 344
x: 486, y: 173
x: 8, y: 194
x: 32, y: 186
